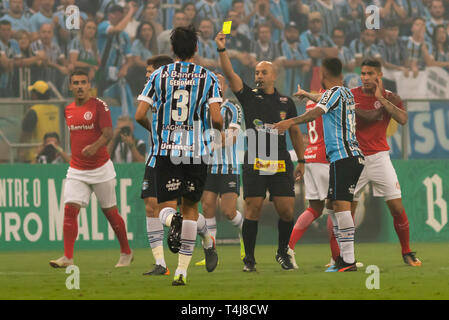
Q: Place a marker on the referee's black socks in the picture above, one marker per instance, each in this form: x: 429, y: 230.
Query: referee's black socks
x: 285, y: 230
x: 249, y: 234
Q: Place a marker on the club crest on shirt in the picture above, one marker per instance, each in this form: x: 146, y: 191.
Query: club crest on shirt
x: 377, y: 104
x: 283, y: 115
x: 88, y: 115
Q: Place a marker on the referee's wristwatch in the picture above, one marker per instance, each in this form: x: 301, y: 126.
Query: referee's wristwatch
x: 301, y: 161
x: 221, y: 50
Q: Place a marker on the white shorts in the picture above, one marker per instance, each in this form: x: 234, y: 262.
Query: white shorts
x: 80, y: 184
x: 316, y: 180
x: 380, y: 172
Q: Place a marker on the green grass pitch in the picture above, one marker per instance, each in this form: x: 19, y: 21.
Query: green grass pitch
x: 27, y: 275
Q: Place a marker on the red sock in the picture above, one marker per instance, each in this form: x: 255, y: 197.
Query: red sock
x: 335, y: 250
x: 304, y: 221
x: 118, y: 225
x: 70, y: 229
x: 402, y: 229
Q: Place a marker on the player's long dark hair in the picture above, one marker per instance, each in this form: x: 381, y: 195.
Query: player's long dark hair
x: 153, y: 41
x: 184, y: 41
x: 435, y: 50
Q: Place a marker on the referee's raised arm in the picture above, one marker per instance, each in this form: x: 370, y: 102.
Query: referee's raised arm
x: 235, y: 82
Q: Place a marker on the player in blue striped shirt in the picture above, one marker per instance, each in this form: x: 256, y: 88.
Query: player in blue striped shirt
x: 181, y: 96
x: 337, y: 108
x: 223, y: 177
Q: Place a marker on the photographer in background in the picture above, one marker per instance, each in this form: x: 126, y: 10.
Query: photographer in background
x: 51, y: 151
x: 123, y: 147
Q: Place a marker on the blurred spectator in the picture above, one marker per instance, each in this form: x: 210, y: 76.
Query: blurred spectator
x: 124, y: 147
x: 238, y: 7
x: 344, y: 53
x: 279, y: 11
x: 143, y: 48
x: 151, y: 14
x: 262, y: 15
x: 294, y: 63
x: 163, y: 41
x: 353, y: 16
x: 416, y: 47
x: 83, y: 50
x: 329, y: 14
x: 413, y: 9
x: 9, y: 53
x: 437, y: 11
x: 390, y: 10
x: 27, y: 58
x: 44, y: 16
x: 89, y: 7
x: 133, y: 24
x: 39, y: 119
x: 207, y: 55
x: 238, y: 47
x: 365, y: 46
x: 168, y: 9
x: 189, y: 9
x: 64, y: 35
x: 439, y: 50
x: 51, y: 152
x: 53, y: 66
x: 115, y: 50
x: 394, y: 57
x: 299, y: 13
x: 17, y: 17
x: 211, y: 10
x: 32, y: 7
x: 264, y: 48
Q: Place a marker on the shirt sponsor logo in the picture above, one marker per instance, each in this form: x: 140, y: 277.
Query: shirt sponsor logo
x: 173, y: 184
x: 269, y: 165
x: 81, y: 127
x: 88, y: 115
x: 167, y: 146
x: 183, y: 75
x: 283, y: 115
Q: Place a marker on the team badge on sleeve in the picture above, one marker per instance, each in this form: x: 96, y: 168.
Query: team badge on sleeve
x: 283, y: 115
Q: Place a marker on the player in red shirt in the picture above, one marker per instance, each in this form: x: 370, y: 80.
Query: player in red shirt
x: 374, y: 108
x: 90, y: 125
x: 316, y: 180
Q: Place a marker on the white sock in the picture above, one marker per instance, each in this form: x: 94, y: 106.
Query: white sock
x: 212, y: 226
x: 188, y: 239
x: 155, y: 232
x: 346, y: 232
x: 165, y: 215
x: 204, y: 232
x: 334, y: 225
x: 238, y: 220
x: 158, y: 253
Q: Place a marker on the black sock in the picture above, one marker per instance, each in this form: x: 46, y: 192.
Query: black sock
x: 285, y: 230
x: 249, y: 234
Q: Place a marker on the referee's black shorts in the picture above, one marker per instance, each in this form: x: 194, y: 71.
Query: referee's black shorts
x: 256, y: 182
x: 343, y: 177
x: 179, y: 180
x: 222, y: 183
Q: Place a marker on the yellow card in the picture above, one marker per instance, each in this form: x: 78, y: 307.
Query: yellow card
x: 227, y: 27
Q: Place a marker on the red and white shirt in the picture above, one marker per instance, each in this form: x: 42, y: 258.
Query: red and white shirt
x: 316, y: 149
x: 372, y: 135
x: 85, y: 123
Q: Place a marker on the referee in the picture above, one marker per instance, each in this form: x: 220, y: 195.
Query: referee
x: 262, y: 107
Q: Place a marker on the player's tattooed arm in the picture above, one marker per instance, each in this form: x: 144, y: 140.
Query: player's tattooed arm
x: 301, y: 94
x: 310, y: 115
x: 390, y: 102
x: 369, y: 115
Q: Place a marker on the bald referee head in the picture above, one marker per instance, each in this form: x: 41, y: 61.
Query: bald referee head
x: 265, y: 76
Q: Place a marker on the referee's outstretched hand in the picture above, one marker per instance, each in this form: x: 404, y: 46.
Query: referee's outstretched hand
x: 220, y: 40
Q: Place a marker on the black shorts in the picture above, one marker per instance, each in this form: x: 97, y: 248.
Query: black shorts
x: 222, y: 183
x: 279, y: 184
x: 149, y: 183
x: 180, y: 180
x: 343, y: 177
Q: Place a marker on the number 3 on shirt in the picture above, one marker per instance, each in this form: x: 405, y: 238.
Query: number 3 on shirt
x: 183, y: 99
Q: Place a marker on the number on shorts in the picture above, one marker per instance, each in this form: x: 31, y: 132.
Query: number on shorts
x: 313, y: 135
x: 183, y: 99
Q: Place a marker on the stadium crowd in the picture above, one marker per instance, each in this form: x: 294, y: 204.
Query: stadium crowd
x: 116, y: 37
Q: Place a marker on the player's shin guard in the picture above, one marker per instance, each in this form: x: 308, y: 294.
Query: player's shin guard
x: 249, y: 234
x: 346, y: 232
x: 155, y: 232
x: 165, y: 215
x: 285, y: 230
x: 118, y: 225
x: 401, y: 226
x: 70, y: 229
x: 203, y: 231
x: 188, y: 239
x: 302, y: 224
